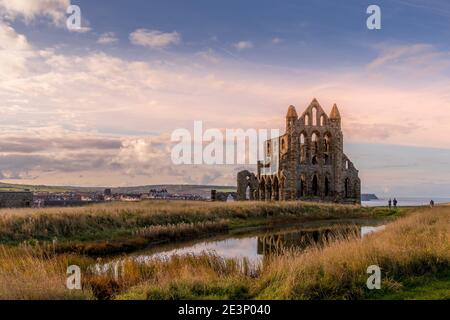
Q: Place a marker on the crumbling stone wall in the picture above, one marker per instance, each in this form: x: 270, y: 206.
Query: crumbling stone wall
x: 222, y: 196
x: 16, y: 199
x: 247, y: 185
x: 312, y: 164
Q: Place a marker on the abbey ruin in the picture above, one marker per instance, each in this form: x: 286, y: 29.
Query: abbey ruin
x: 306, y: 163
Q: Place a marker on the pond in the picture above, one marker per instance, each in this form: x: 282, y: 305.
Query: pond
x: 253, y: 245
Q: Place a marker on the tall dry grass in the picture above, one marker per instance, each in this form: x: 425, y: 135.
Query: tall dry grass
x: 139, y: 238
x: 416, y: 245
x: 103, y: 220
x: 181, y: 230
x: 30, y: 273
x: 180, y: 277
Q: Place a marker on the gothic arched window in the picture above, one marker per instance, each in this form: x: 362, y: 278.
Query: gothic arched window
x: 315, y: 186
x: 302, y: 149
x: 322, y: 120
x: 327, y: 142
x: 347, y: 188
x: 327, y: 187
x: 314, y: 116
x: 315, y: 143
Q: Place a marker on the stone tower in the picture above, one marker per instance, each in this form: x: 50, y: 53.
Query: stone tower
x: 306, y: 163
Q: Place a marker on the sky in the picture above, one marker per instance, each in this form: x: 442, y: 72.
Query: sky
x: 97, y: 106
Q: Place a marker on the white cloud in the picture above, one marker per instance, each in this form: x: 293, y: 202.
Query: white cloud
x: 242, y: 45
x: 97, y: 91
x: 419, y: 59
x: 208, y: 55
x: 81, y: 29
x: 107, y: 38
x: 12, y: 41
x: 14, y: 52
x: 139, y: 151
x: 29, y: 10
x: 154, y: 38
x: 139, y: 102
x: 277, y: 40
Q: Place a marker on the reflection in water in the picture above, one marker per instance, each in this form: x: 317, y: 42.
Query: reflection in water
x: 228, y: 248
x: 277, y: 243
x: 254, y: 246
x: 368, y: 230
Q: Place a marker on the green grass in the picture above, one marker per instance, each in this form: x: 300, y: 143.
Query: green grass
x: 110, y: 228
x: 115, y: 220
x: 198, y: 290
x: 421, y: 288
x: 392, y: 213
x: 413, y: 253
x: 32, y: 188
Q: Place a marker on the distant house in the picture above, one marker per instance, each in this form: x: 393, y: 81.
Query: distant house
x: 16, y: 199
x: 130, y: 197
x: 158, y: 193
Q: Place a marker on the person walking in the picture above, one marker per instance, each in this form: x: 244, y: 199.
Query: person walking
x: 390, y: 203
x: 431, y: 203
x: 395, y: 203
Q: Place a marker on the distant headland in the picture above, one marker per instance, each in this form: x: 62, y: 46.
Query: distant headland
x: 368, y: 197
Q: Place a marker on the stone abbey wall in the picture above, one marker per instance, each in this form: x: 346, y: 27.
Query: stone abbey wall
x: 312, y: 164
x: 16, y: 199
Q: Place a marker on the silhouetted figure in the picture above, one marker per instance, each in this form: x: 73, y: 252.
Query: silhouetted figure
x: 390, y: 203
x: 395, y: 203
x: 431, y: 204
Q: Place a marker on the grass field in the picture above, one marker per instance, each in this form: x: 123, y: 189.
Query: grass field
x: 202, y: 190
x: 115, y: 227
x: 413, y: 253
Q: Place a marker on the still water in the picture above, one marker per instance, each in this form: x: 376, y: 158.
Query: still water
x: 254, y: 245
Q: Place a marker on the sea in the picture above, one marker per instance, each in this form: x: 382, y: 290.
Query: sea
x: 405, y: 202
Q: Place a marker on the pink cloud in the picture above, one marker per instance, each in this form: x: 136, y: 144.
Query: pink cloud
x: 391, y: 100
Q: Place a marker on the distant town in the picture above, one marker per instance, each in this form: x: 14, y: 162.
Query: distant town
x: 26, y: 198
x: 19, y: 196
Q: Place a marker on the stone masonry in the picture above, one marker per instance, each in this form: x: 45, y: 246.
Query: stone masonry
x: 13, y: 199
x: 306, y: 163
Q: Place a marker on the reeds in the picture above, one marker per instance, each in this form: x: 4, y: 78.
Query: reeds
x: 414, y: 246
x: 118, y: 219
x: 418, y: 245
x: 181, y: 230
x: 139, y: 238
x: 31, y: 273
